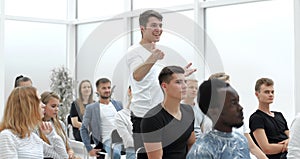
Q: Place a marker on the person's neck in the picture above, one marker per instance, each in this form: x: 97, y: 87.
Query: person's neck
x: 223, y: 128
x: 265, y: 107
x: 146, y: 44
x: 189, y: 101
x: 172, y: 107
x: 85, y: 99
x: 47, y: 118
x: 104, y: 101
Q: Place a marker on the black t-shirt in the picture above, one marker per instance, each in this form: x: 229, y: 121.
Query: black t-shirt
x: 75, y: 112
x: 160, y: 126
x: 274, y: 127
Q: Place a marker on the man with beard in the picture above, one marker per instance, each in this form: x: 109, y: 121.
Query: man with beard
x: 220, y: 102
x: 99, y: 119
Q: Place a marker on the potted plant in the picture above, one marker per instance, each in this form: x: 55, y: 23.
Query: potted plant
x: 63, y: 84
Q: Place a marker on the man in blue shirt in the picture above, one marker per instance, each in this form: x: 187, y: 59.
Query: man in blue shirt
x: 220, y: 102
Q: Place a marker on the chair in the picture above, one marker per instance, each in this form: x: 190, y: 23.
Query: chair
x: 141, y: 153
x: 115, y: 140
x: 79, y: 149
x: 69, y: 127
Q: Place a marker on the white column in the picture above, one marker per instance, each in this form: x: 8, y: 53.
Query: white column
x: 200, y: 38
x: 297, y: 54
x: 2, y: 65
x: 71, y: 38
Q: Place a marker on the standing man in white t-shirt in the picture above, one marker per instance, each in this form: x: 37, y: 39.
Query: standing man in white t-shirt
x: 142, y: 61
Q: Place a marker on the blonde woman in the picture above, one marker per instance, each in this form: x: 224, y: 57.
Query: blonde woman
x: 51, y: 100
x: 85, y: 92
x: 23, y: 113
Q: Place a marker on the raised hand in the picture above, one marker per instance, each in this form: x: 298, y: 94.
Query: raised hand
x: 46, y: 127
x: 188, y: 71
x: 156, y: 53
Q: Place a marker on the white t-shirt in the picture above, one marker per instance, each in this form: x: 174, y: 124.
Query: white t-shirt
x: 107, y: 115
x: 199, y: 119
x: 294, y: 142
x: 146, y: 93
x: 124, y: 126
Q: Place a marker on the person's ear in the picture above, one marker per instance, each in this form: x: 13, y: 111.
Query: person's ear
x: 163, y: 85
x: 256, y: 94
x: 142, y: 28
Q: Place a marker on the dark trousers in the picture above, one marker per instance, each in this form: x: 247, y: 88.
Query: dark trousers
x: 137, y: 135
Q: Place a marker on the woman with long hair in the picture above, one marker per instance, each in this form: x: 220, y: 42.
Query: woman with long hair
x: 85, y: 97
x: 22, y: 115
x: 51, y: 100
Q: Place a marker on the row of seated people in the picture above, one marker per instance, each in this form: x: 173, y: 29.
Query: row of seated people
x: 54, y: 104
x: 53, y: 100
x: 202, y: 122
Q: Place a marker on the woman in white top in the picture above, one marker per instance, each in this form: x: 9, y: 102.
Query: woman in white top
x: 23, y: 112
x: 51, y: 100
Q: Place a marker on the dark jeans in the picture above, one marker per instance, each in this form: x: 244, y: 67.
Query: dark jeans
x: 137, y: 136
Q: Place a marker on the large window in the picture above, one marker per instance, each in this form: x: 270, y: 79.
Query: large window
x: 257, y: 40
x: 97, y: 8
x: 138, y: 4
x: 33, y: 50
x: 50, y: 9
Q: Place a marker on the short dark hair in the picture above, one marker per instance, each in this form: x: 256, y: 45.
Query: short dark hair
x: 143, y: 19
x: 166, y: 73
x: 209, y: 94
x: 20, y: 79
x: 262, y: 81
x: 102, y: 80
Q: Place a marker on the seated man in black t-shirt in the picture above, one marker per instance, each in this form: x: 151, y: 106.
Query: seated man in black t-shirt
x: 269, y: 129
x: 168, y: 128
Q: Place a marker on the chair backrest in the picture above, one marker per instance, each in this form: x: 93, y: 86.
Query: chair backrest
x: 69, y: 126
x: 115, y: 140
x: 115, y: 137
x: 141, y: 153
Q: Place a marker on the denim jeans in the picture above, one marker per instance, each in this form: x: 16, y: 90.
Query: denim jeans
x: 117, y: 149
x: 130, y: 153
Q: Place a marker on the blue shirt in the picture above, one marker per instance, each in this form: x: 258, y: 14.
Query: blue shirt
x: 220, y: 145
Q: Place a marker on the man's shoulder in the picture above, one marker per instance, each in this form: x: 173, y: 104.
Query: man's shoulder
x: 155, y: 111
x: 92, y: 105
x: 257, y: 113
x: 117, y: 104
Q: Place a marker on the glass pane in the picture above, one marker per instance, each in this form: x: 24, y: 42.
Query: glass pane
x: 96, y: 8
x: 101, y: 52
x: 52, y: 9
x: 257, y: 40
x: 33, y: 50
x: 139, y: 4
